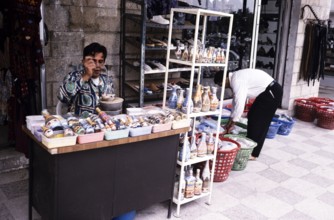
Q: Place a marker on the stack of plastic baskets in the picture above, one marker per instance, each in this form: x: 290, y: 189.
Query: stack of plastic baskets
x: 273, y: 129
x: 244, y: 153
x: 224, y: 161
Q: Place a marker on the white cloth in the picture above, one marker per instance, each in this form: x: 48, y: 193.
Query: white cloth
x: 246, y: 83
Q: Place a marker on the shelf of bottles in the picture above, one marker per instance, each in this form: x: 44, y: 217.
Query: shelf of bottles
x: 197, y: 150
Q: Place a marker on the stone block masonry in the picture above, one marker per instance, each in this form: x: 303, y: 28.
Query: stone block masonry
x: 71, y: 26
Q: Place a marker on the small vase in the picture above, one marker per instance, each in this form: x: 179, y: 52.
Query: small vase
x: 205, y: 100
x: 210, y: 144
x: 193, y: 148
x: 180, y: 99
x: 185, y: 54
x: 186, y: 145
x: 172, y: 101
x: 187, y: 101
x: 214, y: 102
x: 202, y: 147
x: 198, y: 99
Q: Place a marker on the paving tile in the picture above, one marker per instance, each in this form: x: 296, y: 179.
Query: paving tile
x: 303, y: 163
x: 237, y: 190
x: 267, y: 159
x: 305, y: 146
x: 14, y: 176
x: 327, y: 198
x: 220, y: 201
x: 292, y: 150
x: 274, y: 175
x: 15, y: 189
x: 286, y: 195
x: 316, y: 209
x: 5, y: 213
x: 303, y: 187
x: 318, y: 180
x: 325, y: 154
x: 280, y: 155
x: 243, y: 212
x: 305, y: 133
x: 324, y: 171
x: 267, y: 205
x: 256, y: 166
x: 314, y: 158
x: 296, y: 215
x: 3, y: 198
x: 18, y: 207
x: 314, y: 142
x: 256, y: 182
x: 290, y: 169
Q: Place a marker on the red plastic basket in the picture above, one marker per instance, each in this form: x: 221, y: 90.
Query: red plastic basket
x: 224, y: 161
x: 305, y: 110
x: 325, y: 115
x: 320, y: 100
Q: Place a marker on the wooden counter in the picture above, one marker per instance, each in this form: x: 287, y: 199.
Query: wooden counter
x: 103, y: 179
x: 101, y: 144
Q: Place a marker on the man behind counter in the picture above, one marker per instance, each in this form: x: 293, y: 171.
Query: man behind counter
x: 253, y: 83
x: 82, y: 89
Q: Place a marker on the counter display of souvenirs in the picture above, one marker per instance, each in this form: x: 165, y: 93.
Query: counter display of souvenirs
x: 58, y: 131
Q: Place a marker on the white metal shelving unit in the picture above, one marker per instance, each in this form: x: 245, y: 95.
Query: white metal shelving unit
x: 200, y: 14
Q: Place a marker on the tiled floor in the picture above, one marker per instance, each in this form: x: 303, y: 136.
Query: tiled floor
x: 292, y: 179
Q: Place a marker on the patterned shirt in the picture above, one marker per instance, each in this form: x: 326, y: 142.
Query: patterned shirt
x: 83, y: 96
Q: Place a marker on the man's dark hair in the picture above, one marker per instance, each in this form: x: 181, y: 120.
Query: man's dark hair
x: 94, y: 48
x: 219, y: 77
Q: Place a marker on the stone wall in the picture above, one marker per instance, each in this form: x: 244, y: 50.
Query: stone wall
x: 73, y: 24
x: 293, y: 87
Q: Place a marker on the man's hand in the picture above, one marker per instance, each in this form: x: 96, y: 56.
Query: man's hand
x: 229, y: 126
x: 89, y: 65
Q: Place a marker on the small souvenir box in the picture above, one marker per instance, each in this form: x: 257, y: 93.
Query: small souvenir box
x: 88, y: 138
x: 112, y: 135
x: 161, y: 127
x: 140, y: 131
x: 181, y: 123
x: 59, y: 141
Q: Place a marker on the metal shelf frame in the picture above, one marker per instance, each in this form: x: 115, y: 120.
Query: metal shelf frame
x: 204, y: 14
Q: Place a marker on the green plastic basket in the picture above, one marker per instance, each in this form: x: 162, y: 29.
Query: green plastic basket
x: 243, y: 154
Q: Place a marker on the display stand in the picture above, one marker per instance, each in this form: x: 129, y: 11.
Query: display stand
x: 201, y: 21
x: 104, y: 179
x: 136, y: 32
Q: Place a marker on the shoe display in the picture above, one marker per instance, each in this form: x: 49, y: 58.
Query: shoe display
x: 271, y: 52
x: 147, y: 68
x: 158, y: 65
x: 259, y: 64
x: 158, y: 43
x: 261, y: 52
x: 149, y: 43
x: 269, y: 41
x: 159, y: 20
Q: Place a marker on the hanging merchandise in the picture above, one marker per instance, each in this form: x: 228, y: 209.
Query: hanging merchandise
x: 25, y: 58
x: 314, y: 49
x: 157, y: 8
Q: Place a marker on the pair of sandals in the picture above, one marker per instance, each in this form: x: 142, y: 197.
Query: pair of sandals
x: 151, y: 42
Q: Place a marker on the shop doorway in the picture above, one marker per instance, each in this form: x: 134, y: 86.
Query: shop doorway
x: 20, y: 59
